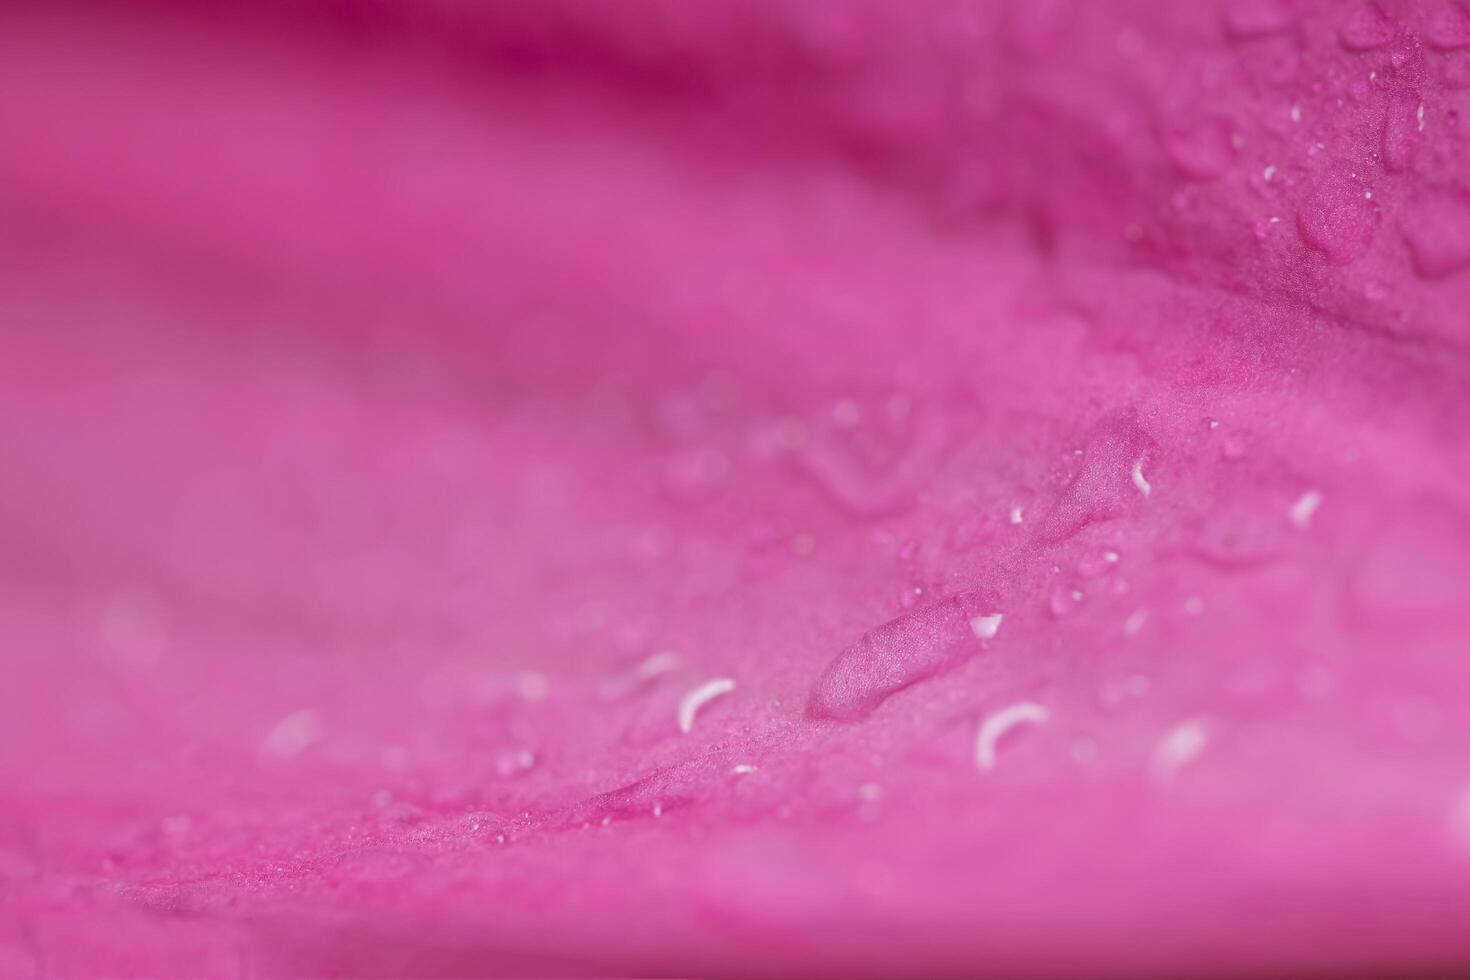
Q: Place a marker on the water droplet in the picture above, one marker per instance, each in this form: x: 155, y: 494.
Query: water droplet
x: 1402, y: 129
x: 985, y: 627
x: 1063, y: 600
x: 1096, y: 564
x: 1438, y: 235
x: 1202, y: 151
x: 903, y: 651
x: 1337, y: 220
x: 1366, y: 28
x: 514, y: 762
x: 1104, y: 489
x: 874, y: 463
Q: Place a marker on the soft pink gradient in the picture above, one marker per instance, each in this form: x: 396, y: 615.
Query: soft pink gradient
x: 405, y: 405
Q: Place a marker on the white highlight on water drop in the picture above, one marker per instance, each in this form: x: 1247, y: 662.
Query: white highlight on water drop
x: 1269, y: 172
x: 1305, y: 506
x: 690, y: 704
x: 994, y: 728
x: 1139, y: 481
x: 1296, y: 113
x: 1015, y: 515
x: 985, y: 627
x: 1419, y: 117
x: 1179, y: 747
x: 742, y: 769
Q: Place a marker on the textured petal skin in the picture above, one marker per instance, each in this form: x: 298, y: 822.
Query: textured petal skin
x: 407, y: 407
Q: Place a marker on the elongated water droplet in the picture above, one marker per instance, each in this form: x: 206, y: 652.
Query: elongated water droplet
x: 1402, y: 129
x: 901, y: 652
x: 1105, y: 488
x: 1338, y: 220
x: 1438, y: 235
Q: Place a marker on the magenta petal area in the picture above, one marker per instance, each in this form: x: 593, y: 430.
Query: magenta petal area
x: 734, y: 488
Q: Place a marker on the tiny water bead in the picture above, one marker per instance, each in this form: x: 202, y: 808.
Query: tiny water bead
x: 903, y: 651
